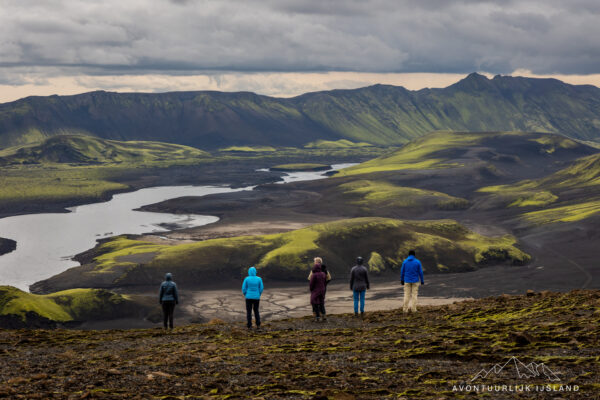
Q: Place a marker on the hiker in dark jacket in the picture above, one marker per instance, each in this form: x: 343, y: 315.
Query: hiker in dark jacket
x: 252, y: 288
x: 168, y: 297
x: 359, y: 283
x: 318, y: 280
x: 319, y: 260
x: 410, y: 275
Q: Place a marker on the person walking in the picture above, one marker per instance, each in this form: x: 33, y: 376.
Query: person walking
x: 318, y: 281
x: 252, y: 288
x: 168, y: 297
x: 319, y: 260
x: 410, y: 275
x: 359, y: 284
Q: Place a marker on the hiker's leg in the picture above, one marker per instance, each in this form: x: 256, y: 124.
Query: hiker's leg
x: 315, y: 308
x: 165, y: 309
x: 407, y: 290
x: 362, y: 301
x: 249, y: 312
x: 414, y: 296
x: 322, y: 309
x: 356, y: 294
x: 256, y: 313
x: 171, y: 312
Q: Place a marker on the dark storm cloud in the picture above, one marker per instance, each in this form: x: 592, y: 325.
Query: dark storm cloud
x: 135, y: 36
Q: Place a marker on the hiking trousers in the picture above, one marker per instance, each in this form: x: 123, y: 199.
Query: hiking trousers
x: 411, y: 292
x: 359, y: 295
x: 252, y: 304
x: 168, y: 309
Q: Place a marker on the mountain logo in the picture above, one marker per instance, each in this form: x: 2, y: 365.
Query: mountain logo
x: 520, y: 370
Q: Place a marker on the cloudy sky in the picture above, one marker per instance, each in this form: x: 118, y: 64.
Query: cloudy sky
x: 287, y: 47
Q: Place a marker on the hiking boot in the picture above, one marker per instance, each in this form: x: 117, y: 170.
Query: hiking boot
x: 362, y: 315
x: 324, y: 318
x: 355, y: 314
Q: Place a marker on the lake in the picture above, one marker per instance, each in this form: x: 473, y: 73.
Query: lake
x: 47, y: 242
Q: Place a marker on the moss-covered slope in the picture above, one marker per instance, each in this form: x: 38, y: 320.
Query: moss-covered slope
x: 445, y: 149
x: 18, y: 308
x: 570, y: 194
x: 442, y: 246
x: 384, y: 355
x: 78, y: 149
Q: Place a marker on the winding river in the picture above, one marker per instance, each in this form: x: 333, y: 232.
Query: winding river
x: 47, y: 242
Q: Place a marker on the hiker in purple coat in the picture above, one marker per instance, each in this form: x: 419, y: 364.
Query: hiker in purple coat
x: 317, y: 292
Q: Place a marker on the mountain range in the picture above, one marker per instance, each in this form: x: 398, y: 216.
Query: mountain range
x: 379, y: 114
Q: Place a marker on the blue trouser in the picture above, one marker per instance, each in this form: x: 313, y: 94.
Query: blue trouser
x: 360, y: 294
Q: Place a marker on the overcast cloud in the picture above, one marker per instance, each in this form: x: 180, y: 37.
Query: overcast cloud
x: 187, y: 37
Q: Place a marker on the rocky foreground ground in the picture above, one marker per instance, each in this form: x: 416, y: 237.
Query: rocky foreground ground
x: 435, y: 354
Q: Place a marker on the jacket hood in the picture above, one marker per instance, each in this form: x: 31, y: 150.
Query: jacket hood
x: 168, y: 276
x: 252, y: 271
x: 316, y: 268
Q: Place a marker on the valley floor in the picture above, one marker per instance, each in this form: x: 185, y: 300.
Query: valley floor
x: 435, y: 354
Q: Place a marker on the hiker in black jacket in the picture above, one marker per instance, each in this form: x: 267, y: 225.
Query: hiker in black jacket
x: 359, y: 283
x: 168, y: 297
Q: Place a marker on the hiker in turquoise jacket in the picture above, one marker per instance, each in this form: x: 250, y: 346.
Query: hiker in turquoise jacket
x: 252, y: 288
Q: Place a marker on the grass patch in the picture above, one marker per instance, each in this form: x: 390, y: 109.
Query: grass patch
x: 37, y: 183
x: 569, y: 213
x: 418, y: 154
x: 369, y: 193
x: 335, y: 144
x: 250, y: 149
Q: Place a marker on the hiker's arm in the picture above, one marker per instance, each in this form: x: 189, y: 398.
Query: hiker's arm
x: 402, y: 274
x: 421, y: 273
x: 160, y: 294
x: 328, y: 276
x: 261, y: 287
x: 245, y: 286
x: 352, y: 280
x: 310, y: 275
x: 367, y: 278
x: 175, y: 294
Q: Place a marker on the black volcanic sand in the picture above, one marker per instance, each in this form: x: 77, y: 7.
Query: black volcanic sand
x: 433, y: 354
x: 7, y: 245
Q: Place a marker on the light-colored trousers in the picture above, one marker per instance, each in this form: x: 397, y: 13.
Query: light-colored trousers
x: 411, y: 291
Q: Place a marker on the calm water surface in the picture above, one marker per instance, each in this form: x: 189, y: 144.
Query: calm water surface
x: 47, y: 242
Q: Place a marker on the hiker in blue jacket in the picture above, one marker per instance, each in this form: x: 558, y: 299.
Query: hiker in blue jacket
x: 410, y: 275
x: 168, y: 297
x: 252, y: 288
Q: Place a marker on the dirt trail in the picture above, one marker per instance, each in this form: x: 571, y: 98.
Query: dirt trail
x: 279, y: 303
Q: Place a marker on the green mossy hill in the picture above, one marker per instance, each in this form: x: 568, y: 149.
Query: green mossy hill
x: 249, y: 149
x: 385, y: 355
x: 443, y: 246
x: 335, y: 144
x: 62, y: 307
x: 378, y: 195
x: 77, y: 149
x: 574, y: 193
x: 445, y: 149
x: 379, y: 114
x: 300, y: 167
